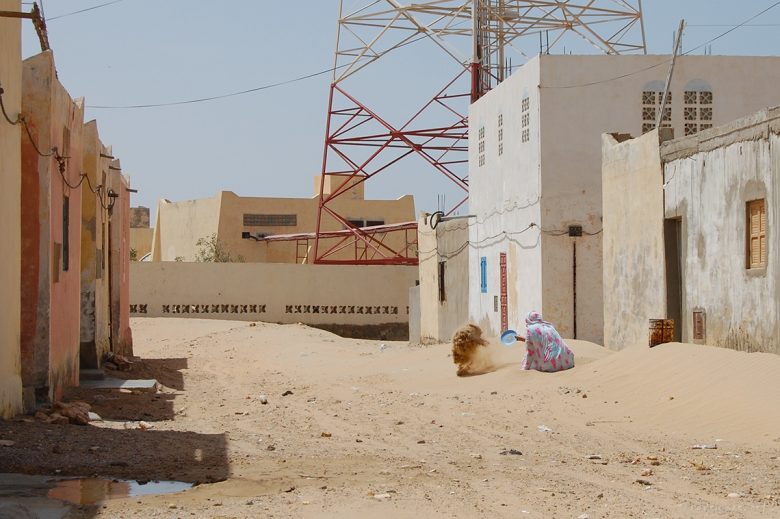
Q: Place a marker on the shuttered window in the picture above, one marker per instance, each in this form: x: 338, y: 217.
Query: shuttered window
x: 756, y: 230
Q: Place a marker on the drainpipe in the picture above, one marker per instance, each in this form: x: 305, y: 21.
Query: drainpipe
x: 575, y: 231
x: 574, y: 283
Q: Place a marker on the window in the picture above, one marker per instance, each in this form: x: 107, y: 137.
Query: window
x: 442, y: 293
x: 481, y: 146
x: 698, y: 106
x: 360, y: 222
x: 483, y: 275
x: 500, y: 134
x: 756, y: 234
x: 526, y: 120
x: 699, y: 325
x: 652, y: 99
x: 65, y: 233
x: 270, y: 220
x: 65, y: 151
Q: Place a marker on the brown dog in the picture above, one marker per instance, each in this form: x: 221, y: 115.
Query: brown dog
x: 466, y: 345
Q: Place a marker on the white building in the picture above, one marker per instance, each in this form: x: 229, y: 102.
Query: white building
x: 708, y: 254
x: 535, y: 171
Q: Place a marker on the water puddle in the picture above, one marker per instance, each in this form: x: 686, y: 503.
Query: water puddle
x: 89, y: 491
x: 46, y: 497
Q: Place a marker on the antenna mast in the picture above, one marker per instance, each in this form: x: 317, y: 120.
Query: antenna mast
x: 478, y: 37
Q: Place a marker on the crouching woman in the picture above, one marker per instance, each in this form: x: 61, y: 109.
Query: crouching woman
x: 544, y: 347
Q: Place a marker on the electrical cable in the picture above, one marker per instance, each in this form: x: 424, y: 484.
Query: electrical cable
x: 430, y: 254
x: 622, y: 76
x: 5, y: 114
x: 82, y: 10
x: 241, y: 92
x: 222, y: 96
x: 61, y: 161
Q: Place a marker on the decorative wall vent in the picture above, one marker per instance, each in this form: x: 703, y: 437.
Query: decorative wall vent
x: 270, y: 220
x: 699, y: 325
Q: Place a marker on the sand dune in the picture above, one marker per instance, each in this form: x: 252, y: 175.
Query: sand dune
x: 408, y: 438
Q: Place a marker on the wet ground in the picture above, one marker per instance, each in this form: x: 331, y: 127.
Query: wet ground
x: 41, y: 497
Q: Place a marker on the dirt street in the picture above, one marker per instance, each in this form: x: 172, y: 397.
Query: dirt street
x: 357, y: 428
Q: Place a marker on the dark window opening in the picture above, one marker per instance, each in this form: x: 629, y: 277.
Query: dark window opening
x: 270, y: 220
x: 360, y: 222
x: 442, y: 270
x: 65, y: 233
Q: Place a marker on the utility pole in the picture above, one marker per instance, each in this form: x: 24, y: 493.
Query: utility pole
x: 665, y: 94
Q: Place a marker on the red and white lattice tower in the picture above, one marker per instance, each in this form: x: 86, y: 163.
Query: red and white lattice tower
x: 481, y: 37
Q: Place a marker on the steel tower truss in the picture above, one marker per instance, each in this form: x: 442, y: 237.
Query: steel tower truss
x: 481, y: 37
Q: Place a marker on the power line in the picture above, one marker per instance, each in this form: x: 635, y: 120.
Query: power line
x: 424, y: 256
x: 61, y: 161
x: 721, y: 35
x: 222, y: 96
x: 82, y: 10
x: 732, y: 25
x: 242, y: 92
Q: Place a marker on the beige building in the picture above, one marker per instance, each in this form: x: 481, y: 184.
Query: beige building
x: 10, y: 211
x: 51, y: 232
x: 535, y: 171
x: 141, y: 235
x: 444, y: 266
x: 95, y: 220
x: 238, y: 221
x: 688, y: 235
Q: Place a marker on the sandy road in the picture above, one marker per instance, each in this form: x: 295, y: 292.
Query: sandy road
x: 376, y: 429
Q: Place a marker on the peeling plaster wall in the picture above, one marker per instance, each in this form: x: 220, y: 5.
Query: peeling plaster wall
x: 119, y: 259
x: 10, y: 213
x: 634, y: 270
x: 710, y: 178
x: 95, y: 322
x: 578, y: 105
x: 50, y: 292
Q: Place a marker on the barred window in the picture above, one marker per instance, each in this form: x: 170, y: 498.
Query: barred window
x: 270, y: 220
x: 525, y: 134
x: 698, y: 106
x: 500, y: 134
x: 652, y: 99
x: 482, y: 146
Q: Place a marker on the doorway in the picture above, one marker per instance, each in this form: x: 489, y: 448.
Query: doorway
x: 672, y: 250
x: 504, y: 297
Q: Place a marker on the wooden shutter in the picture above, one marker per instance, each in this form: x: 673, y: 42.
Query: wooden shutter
x: 757, y: 244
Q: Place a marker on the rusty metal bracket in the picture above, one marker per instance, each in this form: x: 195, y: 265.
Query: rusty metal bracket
x: 37, y: 20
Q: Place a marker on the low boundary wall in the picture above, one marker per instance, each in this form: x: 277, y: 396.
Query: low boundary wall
x: 353, y: 301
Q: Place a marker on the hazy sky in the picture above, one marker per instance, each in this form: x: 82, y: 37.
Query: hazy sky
x: 270, y: 143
